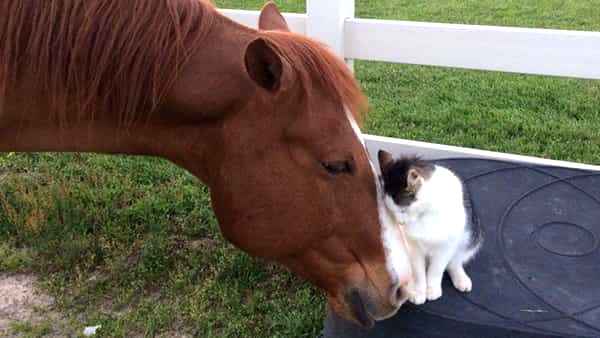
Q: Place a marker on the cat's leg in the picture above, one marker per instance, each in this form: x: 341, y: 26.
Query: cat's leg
x: 418, y: 286
x: 462, y: 282
x: 438, y: 262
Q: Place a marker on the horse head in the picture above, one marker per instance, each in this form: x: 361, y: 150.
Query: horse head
x: 290, y: 177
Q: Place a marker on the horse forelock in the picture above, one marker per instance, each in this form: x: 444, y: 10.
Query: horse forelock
x: 99, y: 56
x: 315, y: 63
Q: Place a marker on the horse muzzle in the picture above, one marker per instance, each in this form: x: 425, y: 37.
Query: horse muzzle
x: 365, y: 310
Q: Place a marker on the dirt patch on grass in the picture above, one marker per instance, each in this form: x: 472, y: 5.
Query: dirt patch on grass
x: 21, y: 301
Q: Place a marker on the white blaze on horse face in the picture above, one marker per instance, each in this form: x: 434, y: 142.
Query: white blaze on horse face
x: 355, y: 127
x: 394, y: 243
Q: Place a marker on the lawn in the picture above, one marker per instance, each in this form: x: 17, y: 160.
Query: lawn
x: 131, y: 243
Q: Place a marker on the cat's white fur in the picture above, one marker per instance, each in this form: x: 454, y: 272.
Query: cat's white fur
x: 435, y: 226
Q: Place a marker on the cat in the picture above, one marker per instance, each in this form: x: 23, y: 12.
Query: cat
x: 428, y: 200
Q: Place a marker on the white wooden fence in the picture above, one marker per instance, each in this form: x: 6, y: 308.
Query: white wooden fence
x: 508, y: 49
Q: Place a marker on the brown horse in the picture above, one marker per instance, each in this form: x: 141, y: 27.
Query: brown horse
x: 264, y: 118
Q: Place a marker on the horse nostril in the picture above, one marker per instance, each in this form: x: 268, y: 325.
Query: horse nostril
x: 399, y: 294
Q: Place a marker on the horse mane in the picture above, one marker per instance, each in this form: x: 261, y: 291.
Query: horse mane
x: 99, y: 56
x: 316, y: 64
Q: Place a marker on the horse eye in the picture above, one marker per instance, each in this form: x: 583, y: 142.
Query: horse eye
x: 338, y: 167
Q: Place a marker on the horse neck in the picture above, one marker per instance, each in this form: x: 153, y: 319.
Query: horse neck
x: 25, y: 124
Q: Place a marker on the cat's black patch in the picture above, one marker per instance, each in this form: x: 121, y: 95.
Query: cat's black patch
x: 395, y: 177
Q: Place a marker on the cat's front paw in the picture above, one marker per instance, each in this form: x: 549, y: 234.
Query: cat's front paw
x: 463, y: 284
x: 417, y: 297
x: 434, y: 292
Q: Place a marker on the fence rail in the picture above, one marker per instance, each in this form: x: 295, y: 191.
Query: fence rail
x: 508, y: 49
x: 441, y: 151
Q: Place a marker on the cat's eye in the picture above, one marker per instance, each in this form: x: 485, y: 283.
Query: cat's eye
x: 338, y: 167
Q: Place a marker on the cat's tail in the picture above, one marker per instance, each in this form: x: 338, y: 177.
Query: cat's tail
x: 474, y: 228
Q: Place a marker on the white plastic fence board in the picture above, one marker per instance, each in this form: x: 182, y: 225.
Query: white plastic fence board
x: 438, y: 151
x: 297, y: 22
x: 508, y: 49
x: 326, y: 22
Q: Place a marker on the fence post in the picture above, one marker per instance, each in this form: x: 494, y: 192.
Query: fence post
x: 326, y: 22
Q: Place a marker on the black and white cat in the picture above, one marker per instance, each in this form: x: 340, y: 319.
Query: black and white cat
x: 428, y: 200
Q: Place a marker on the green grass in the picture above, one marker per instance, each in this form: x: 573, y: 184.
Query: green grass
x: 541, y: 116
x: 131, y: 243
x: 29, y: 330
x: 569, y: 14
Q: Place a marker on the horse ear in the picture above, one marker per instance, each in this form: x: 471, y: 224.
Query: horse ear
x: 264, y: 65
x: 385, y: 159
x: 271, y: 18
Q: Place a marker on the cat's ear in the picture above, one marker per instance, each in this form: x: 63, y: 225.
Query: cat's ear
x: 385, y: 159
x: 414, y: 180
